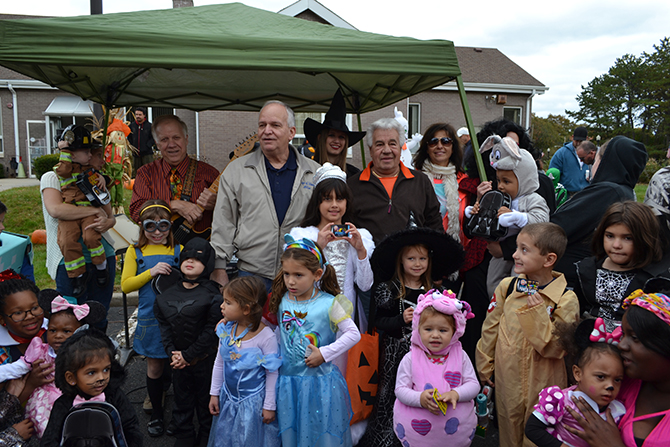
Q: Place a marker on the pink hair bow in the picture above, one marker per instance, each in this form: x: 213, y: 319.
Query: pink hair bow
x: 600, y: 334
x: 59, y: 304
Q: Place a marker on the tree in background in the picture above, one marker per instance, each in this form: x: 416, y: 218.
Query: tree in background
x: 658, y: 86
x: 551, y: 132
x: 632, y: 99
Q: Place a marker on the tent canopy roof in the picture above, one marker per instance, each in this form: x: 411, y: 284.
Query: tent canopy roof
x: 222, y: 57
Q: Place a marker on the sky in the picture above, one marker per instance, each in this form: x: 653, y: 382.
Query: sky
x: 562, y: 44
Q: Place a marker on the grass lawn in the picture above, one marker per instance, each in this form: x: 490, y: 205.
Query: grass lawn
x: 640, y: 191
x: 24, y: 215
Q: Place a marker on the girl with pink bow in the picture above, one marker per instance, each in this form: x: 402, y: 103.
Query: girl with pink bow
x: 64, y: 319
x: 598, y: 372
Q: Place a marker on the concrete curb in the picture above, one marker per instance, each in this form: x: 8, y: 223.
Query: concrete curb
x: 132, y: 299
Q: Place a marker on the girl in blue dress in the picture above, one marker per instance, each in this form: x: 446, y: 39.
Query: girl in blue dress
x: 154, y: 254
x: 313, y: 406
x: 245, y: 370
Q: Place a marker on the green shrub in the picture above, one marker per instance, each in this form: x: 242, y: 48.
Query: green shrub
x: 2, y: 171
x: 650, y: 169
x: 45, y: 163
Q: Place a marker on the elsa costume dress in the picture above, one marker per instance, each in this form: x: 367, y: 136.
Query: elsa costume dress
x: 244, y: 378
x: 415, y: 425
x: 313, y: 405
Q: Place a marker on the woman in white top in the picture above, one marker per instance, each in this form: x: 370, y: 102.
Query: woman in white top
x: 54, y: 209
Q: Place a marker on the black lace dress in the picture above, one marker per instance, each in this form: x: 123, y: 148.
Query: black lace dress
x: 394, y: 343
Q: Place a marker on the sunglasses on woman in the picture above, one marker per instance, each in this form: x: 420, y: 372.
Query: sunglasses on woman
x: 444, y: 140
x: 162, y: 225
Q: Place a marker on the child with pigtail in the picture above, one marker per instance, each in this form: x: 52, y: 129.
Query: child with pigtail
x: 313, y: 406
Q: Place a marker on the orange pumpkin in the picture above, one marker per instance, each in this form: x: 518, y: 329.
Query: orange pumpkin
x: 39, y: 237
x: 129, y: 185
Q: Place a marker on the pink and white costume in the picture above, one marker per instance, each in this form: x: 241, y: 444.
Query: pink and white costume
x: 414, y: 425
x: 41, y: 401
x: 552, y: 411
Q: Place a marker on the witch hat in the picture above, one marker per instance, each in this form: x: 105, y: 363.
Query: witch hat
x: 335, y: 119
x: 447, y: 254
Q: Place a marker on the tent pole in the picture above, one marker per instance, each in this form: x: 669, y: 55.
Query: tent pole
x: 106, y: 125
x: 358, y: 115
x: 471, y: 129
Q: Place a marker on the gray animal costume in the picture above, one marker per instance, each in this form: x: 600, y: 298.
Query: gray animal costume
x: 527, y: 207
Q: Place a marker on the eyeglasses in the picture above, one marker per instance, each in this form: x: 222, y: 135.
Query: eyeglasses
x: 21, y: 315
x: 444, y: 140
x: 162, y: 225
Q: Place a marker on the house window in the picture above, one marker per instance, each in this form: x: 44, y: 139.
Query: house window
x: 414, y: 119
x: 160, y: 111
x: 300, y: 117
x: 512, y: 114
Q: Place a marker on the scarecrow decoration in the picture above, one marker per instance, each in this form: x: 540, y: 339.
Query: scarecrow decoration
x: 117, y: 151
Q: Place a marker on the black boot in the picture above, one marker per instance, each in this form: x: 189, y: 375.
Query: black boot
x: 79, y: 286
x: 101, y: 277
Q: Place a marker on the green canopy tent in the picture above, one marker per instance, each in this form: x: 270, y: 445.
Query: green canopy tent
x: 224, y: 57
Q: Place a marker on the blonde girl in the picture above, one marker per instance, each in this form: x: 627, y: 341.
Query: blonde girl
x: 404, y: 265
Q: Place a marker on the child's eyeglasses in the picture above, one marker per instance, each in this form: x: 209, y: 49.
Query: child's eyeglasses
x: 162, y: 225
x: 21, y: 315
x: 444, y: 140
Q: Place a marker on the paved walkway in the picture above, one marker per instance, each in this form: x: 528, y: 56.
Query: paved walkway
x: 9, y: 183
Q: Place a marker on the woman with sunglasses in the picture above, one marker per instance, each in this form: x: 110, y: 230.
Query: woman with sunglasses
x: 154, y: 254
x: 440, y: 157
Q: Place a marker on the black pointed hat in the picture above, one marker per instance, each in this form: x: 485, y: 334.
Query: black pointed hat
x: 446, y: 253
x: 336, y: 118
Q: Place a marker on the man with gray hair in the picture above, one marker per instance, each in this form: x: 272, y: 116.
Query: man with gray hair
x: 168, y: 177
x: 261, y: 197
x: 386, y: 191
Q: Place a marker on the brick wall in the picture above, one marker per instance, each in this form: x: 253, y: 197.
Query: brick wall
x: 31, y: 105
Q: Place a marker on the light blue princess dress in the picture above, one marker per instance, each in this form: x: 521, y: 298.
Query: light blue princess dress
x: 313, y: 405
x: 242, y: 395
